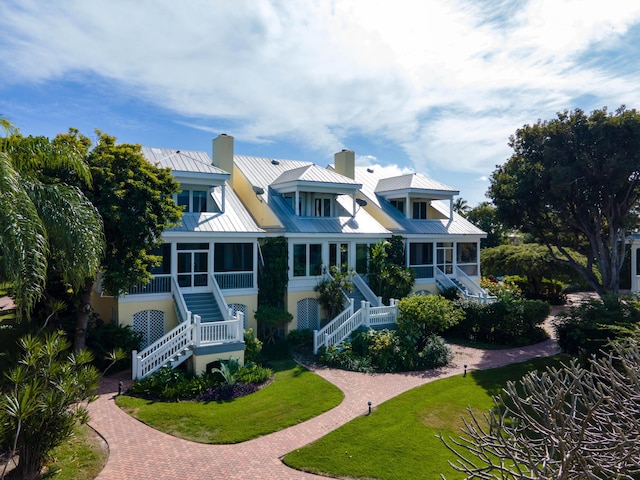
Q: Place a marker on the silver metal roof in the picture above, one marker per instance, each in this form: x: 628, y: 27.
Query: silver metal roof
x: 413, y: 181
x: 182, y: 160
x: 235, y: 219
x: 457, y: 225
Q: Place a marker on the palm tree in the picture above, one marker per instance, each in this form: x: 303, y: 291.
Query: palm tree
x: 461, y: 207
x: 46, y: 224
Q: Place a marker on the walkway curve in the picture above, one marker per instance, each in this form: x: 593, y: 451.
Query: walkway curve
x: 140, y: 452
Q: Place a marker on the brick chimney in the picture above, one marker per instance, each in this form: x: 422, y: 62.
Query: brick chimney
x: 222, y: 154
x: 345, y: 163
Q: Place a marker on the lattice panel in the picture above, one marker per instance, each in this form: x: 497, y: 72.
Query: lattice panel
x: 239, y: 307
x: 308, y: 313
x: 151, y: 324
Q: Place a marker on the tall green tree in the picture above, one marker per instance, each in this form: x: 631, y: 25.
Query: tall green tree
x: 484, y: 216
x: 574, y: 181
x: 461, y: 206
x: 135, y: 199
x: 47, y: 224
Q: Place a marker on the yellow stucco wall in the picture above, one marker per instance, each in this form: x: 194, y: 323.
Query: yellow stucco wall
x: 292, y: 305
x: 251, y: 301
x: 258, y: 209
x: 126, y: 310
x: 430, y: 287
x: 199, y: 363
x: 105, y: 307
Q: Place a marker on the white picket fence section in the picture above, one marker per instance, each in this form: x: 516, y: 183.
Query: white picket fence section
x: 346, y: 322
x: 180, y: 343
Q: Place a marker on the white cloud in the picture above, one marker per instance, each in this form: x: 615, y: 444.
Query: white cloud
x: 447, y: 80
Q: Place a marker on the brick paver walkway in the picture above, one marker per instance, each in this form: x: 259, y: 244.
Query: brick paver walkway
x: 139, y: 452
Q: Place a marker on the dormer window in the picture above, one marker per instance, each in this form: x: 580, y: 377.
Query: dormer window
x: 419, y: 210
x: 192, y: 200
x: 322, y: 207
x: 398, y: 204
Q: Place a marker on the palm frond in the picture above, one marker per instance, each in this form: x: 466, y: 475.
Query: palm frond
x: 23, y: 243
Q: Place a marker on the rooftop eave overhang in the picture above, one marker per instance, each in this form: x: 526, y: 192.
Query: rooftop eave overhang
x: 419, y: 193
x: 200, y: 178
x: 317, y: 187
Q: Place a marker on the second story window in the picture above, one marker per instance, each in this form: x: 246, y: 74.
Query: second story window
x: 322, y: 207
x: 419, y: 210
x: 398, y: 204
x: 192, y: 200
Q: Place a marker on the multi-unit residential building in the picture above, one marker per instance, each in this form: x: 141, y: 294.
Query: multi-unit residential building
x: 206, y: 290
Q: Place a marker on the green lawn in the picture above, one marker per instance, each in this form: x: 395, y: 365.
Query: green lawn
x: 81, y: 457
x: 398, y: 440
x: 295, y: 395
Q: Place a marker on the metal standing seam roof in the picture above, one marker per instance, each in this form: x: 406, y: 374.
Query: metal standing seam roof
x: 235, y: 219
x: 313, y: 174
x: 182, y: 160
x: 458, y: 225
x: 413, y: 181
x: 264, y: 172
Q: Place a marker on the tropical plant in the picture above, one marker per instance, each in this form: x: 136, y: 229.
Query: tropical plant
x: 49, y: 225
x: 46, y: 395
x: 386, y: 278
x: 332, y: 289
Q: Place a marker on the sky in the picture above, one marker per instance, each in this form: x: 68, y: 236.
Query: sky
x: 429, y: 86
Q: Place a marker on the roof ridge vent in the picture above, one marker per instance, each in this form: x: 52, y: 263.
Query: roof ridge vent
x: 274, y: 162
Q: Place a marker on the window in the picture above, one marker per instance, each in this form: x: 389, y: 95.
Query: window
x: 322, y: 207
x: 339, y: 255
x: 362, y: 257
x: 399, y: 204
x: 233, y: 257
x: 307, y: 259
x: 421, y: 259
x: 164, y: 251
x: 299, y: 260
x: 192, y: 200
x: 199, y: 201
x: 467, y: 257
x: 419, y: 210
x: 420, y: 253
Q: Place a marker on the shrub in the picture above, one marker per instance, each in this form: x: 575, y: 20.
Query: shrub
x: 386, y: 351
x: 270, y: 321
x: 509, y: 321
x: 420, y: 316
x: 173, y: 384
x: 301, y: 340
x: 103, y: 338
x: 222, y: 393
x: 587, y: 328
x: 252, y: 347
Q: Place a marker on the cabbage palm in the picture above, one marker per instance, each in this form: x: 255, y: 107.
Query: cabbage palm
x: 46, y: 224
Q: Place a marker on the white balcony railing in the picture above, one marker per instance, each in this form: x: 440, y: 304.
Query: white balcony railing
x: 234, y: 280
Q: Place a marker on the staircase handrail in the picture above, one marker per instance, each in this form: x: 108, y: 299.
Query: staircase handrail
x: 156, y: 355
x: 383, y: 314
x: 331, y: 327
x: 212, y: 333
x: 478, y: 292
x: 178, y: 300
x: 445, y: 281
x: 342, y: 331
x: 217, y: 294
x: 366, y: 291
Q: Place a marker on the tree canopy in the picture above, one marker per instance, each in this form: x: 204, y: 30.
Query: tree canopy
x: 47, y: 224
x: 573, y: 181
x: 484, y: 217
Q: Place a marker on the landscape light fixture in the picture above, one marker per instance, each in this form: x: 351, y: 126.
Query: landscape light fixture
x: 465, y: 370
x: 369, y: 404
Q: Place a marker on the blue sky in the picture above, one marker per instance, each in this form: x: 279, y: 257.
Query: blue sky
x: 435, y: 86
